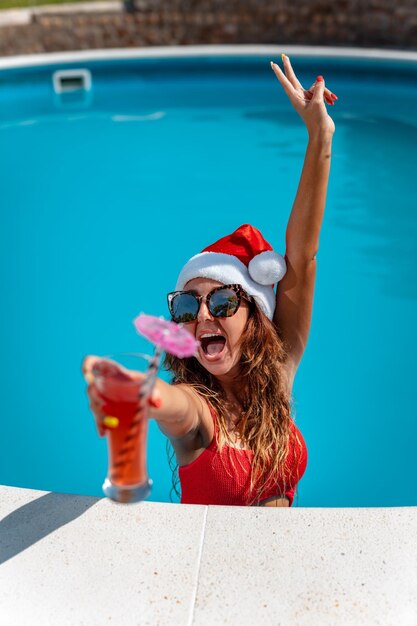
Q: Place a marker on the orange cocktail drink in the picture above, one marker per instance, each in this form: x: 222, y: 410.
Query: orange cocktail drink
x: 126, y: 427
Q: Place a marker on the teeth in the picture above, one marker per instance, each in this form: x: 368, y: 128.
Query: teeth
x: 210, y: 335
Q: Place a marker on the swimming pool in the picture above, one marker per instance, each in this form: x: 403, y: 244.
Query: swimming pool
x: 106, y: 194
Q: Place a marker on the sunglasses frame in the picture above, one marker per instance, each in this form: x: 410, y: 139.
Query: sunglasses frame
x: 238, y: 289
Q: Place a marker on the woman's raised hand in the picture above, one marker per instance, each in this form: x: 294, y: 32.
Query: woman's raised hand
x: 309, y: 103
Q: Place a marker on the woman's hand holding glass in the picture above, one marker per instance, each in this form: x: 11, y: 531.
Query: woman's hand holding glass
x: 110, y: 387
x: 120, y: 398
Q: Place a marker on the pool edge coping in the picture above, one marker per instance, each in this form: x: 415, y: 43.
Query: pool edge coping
x: 158, y: 52
x: 53, y: 541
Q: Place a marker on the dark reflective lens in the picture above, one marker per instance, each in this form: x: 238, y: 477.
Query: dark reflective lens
x: 184, y: 308
x: 223, y: 303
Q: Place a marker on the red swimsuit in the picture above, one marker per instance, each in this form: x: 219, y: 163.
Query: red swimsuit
x: 207, y: 481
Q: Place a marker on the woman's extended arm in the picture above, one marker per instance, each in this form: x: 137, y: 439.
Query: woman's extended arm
x: 295, y: 292
x: 176, y: 408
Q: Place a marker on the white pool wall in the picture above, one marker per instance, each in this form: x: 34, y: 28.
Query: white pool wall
x: 69, y: 560
x: 157, y: 52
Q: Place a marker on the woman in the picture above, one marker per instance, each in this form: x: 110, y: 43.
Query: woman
x: 228, y: 413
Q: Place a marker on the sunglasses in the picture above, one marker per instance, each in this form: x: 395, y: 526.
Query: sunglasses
x: 221, y: 301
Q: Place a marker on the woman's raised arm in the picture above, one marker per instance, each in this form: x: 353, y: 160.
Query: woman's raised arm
x: 295, y: 292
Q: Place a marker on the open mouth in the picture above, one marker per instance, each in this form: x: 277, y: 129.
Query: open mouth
x: 212, y: 345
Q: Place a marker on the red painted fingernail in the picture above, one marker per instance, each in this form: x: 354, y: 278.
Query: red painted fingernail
x: 334, y: 96
x: 319, y: 79
x: 156, y: 403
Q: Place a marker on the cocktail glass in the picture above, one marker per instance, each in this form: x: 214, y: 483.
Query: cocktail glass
x: 126, y: 387
x: 126, y: 424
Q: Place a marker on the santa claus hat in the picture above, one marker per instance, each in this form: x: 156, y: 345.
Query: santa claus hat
x: 244, y: 257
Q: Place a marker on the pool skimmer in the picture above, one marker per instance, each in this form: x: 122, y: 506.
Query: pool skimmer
x: 66, y: 81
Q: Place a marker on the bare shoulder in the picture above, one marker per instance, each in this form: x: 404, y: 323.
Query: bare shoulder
x: 197, y: 437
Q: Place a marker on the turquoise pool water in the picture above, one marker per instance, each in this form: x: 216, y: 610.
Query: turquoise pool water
x: 104, y: 198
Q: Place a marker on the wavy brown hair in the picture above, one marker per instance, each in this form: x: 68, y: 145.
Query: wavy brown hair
x: 264, y: 425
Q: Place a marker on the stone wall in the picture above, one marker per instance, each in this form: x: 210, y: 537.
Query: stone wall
x: 363, y: 23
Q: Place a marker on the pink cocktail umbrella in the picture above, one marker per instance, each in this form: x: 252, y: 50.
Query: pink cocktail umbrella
x: 167, y: 337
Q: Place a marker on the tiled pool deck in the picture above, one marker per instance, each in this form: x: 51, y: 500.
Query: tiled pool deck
x: 69, y: 559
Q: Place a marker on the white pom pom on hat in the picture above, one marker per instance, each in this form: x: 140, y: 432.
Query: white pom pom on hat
x: 244, y: 257
x: 267, y: 268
